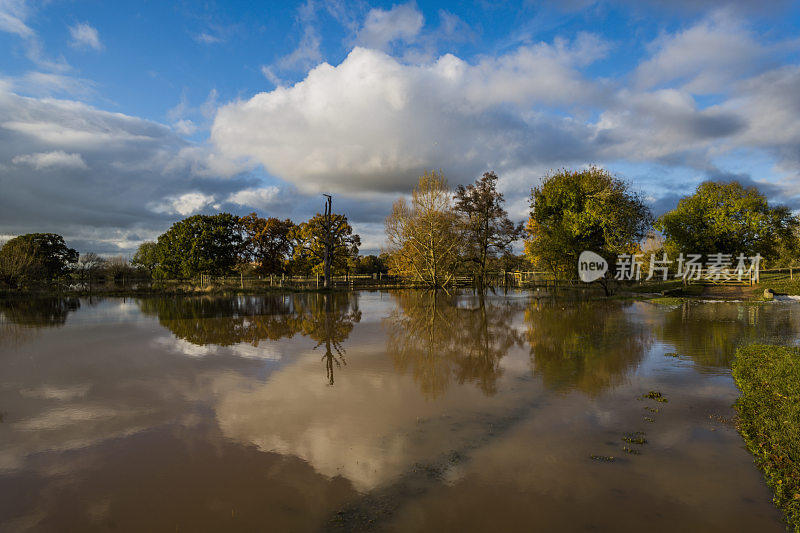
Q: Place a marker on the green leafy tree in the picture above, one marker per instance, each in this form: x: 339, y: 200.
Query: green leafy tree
x: 489, y: 232
x: 200, y: 244
x: 573, y: 211
x: 369, y: 264
x: 35, y: 258
x: 728, y: 218
x: 309, y: 244
x: 147, y: 257
x: 268, y: 242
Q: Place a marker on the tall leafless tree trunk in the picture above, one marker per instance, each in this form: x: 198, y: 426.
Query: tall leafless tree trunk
x: 328, y: 241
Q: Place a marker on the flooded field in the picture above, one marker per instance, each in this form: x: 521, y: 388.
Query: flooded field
x: 396, y: 411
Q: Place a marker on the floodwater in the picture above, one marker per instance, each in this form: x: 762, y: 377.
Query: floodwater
x: 398, y: 411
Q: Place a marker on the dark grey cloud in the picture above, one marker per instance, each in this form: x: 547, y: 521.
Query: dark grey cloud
x: 95, y: 176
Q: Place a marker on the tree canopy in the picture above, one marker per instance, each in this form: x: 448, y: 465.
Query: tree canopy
x: 425, y: 237
x: 35, y: 258
x: 573, y: 211
x: 146, y: 256
x: 268, y: 242
x: 728, y: 218
x: 200, y: 244
x: 310, y: 237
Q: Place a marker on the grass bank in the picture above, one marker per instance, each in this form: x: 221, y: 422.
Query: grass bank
x: 769, y: 419
x: 784, y: 286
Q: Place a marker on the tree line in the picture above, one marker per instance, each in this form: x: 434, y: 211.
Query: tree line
x: 222, y: 244
x: 438, y: 233
x: 441, y: 232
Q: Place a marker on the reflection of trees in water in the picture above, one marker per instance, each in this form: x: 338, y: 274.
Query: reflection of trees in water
x: 224, y: 321
x: 589, y: 346
x: 329, y: 319
x: 441, y: 339
x: 710, y: 333
x: 39, y: 312
x: 325, y: 318
x: 18, y: 318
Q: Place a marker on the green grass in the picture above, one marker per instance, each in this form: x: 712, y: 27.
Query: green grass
x: 783, y: 286
x: 769, y: 419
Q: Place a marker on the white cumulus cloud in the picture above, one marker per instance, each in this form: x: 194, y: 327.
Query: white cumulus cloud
x: 374, y: 123
x: 382, y: 27
x: 261, y: 198
x: 56, y: 158
x: 184, y: 204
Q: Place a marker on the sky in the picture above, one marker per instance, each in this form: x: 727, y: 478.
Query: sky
x: 119, y: 118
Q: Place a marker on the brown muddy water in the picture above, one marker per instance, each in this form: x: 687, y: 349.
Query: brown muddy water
x: 398, y: 411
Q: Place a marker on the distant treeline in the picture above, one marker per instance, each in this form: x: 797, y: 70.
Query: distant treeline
x: 438, y: 234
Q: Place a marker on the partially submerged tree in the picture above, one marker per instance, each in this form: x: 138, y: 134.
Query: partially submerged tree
x: 488, y: 232
x: 89, y: 265
x: 729, y: 218
x: 35, y: 258
x: 573, y: 211
x: 311, y: 239
x: 424, y: 237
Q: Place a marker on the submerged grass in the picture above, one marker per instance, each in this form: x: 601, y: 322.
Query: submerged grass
x: 667, y: 300
x: 655, y: 395
x: 769, y: 419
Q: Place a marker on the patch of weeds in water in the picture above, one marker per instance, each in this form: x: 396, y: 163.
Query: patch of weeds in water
x: 632, y: 451
x: 454, y: 457
x: 648, y: 419
x: 655, y: 395
x: 652, y: 409
x: 603, y: 458
x: 637, y: 437
x: 671, y: 354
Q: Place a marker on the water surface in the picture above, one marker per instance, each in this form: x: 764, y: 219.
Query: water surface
x: 400, y: 411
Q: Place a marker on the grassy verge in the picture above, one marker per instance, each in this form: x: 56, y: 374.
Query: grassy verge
x: 783, y: 286
x: 769, y: 419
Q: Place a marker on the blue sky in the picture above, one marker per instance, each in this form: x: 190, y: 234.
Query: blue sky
x: 118, y: 118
